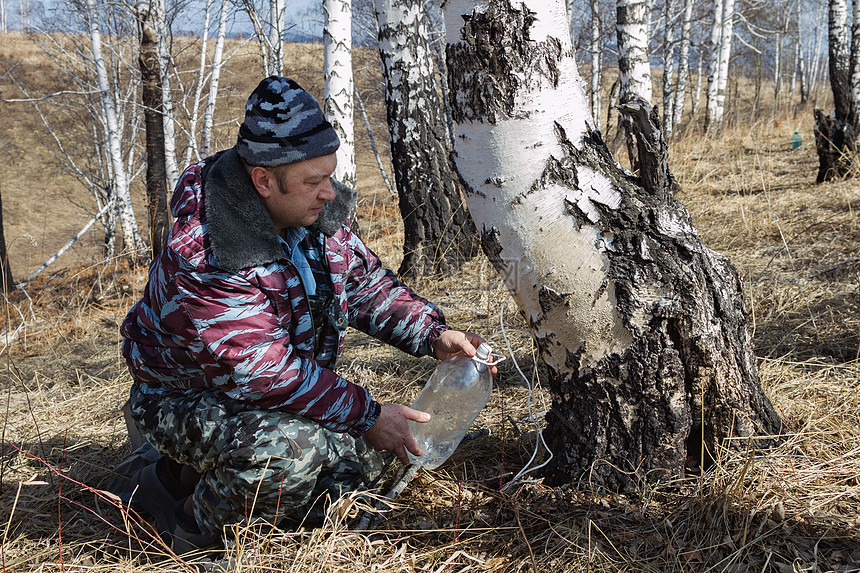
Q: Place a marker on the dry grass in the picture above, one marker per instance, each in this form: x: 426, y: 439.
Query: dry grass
x: 794, y: 509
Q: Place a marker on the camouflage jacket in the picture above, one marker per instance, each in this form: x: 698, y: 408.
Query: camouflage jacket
x: 225, y: 307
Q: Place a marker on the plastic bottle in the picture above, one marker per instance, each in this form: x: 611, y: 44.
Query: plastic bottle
x: 454, y: 396
x: 795, y: 140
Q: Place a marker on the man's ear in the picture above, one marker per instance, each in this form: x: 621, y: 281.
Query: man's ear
x: 264, y: 181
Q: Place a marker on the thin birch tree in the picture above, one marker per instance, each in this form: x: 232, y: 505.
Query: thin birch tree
x: 439, y: 236
x: 669, y: 80
x: 339, y: 84
x: 119, y: 179
x: 164, y: 62
x: 269, y: 30
x: 214, y: 79
x: 192, y: 151
x: 642, y: 328
x: 683, y: 65
x: 634, y: 69
x: 722, y: 34
x: 836, y: 137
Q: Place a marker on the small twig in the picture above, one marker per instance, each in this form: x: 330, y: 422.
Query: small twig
x: 525, y: 537
x: 833, y: 268
x: 60, y: 504
x: 370, y: 519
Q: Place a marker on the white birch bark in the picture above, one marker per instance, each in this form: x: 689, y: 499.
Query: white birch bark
x: 276, y: 37
x: 3, y: 16
x: 191, y: 150
x: 697, y: 93
x: 668, y: 68
x: 214, y: 78
x: 632, y: 31
x: 816, y: 67
x: 683, y: 65
x: 565, y: 230
x: 803, y: 73
x: 339, y: 84
x: 166, y: 95
x: 839, y: 48
x: 794, y: 68
x: 777, y: 72
x: 119, y: 179
x: 713, y: 55
x: 595, y: 61
x: 722, y: 35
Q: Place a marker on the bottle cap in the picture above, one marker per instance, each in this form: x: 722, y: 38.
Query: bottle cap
x: 484, y: 351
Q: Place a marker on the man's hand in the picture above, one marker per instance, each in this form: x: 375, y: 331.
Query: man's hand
x: 391, y: 432
x: 452, y: 342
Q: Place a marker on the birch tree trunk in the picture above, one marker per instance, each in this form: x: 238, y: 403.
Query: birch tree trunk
x: 794, y: 69
x: 855, y: 61
x: 669, y: 68
x: 156, y: 169
x: 119, y: 180
x: 777, y: 72
x: 835, y: 138
x: 697, y: 94
x: 634, y: 70
x: 839, y: 51
x: 718, y: 63
x: 595, y: 62
x: 166, y: 95
x: 632, y: 32
x: 439, y: 236
x: 191, y: 150
x: 339, y: 84
x: 8, y: 284
x: 643, y: 328
x: 804, y: 81
x: 683, y: 66
x: 276, y: 37
x: 214, y: 78
x: 726, y: 38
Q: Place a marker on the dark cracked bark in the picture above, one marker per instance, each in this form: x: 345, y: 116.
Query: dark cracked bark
x: 681, y: 379
x: 153, y: 107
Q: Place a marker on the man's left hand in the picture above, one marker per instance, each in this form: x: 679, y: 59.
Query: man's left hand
x: 453, y: 342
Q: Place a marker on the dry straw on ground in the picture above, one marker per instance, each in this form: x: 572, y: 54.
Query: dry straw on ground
x: 793, y: 509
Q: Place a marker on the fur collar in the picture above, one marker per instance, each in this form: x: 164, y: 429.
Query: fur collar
x: 240, y: 229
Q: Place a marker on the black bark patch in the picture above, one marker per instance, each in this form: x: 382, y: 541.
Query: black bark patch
x: 494, y: 42
x: 551, y: 299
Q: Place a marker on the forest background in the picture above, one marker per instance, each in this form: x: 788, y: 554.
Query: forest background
x: 753, y: 197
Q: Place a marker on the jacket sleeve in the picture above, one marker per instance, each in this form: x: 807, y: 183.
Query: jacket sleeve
x: 385, y: 308
x: 244, y: 348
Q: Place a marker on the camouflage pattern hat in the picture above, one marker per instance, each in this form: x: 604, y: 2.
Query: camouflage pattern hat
x: 283, y: 124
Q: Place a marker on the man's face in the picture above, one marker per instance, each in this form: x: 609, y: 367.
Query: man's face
x: 300, y: 190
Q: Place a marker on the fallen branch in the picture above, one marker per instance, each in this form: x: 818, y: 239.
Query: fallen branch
x: 65, y: 247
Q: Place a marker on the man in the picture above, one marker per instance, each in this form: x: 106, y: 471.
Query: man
x: 242, y: 320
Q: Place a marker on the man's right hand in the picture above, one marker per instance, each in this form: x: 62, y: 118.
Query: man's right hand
x: 391, y: 432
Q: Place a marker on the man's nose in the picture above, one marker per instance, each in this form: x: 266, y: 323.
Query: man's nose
x: 327, y: 191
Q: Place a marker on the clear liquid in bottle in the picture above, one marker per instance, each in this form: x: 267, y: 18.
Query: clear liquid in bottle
x: 454, y: 396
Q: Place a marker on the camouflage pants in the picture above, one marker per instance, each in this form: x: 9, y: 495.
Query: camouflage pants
x: 255, y: 463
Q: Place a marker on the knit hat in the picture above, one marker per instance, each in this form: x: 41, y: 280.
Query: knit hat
x: 283, y: 124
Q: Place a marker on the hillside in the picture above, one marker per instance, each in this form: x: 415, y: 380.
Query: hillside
x: 796, y: 508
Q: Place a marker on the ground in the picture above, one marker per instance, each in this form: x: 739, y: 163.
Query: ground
x: 796, y: 508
